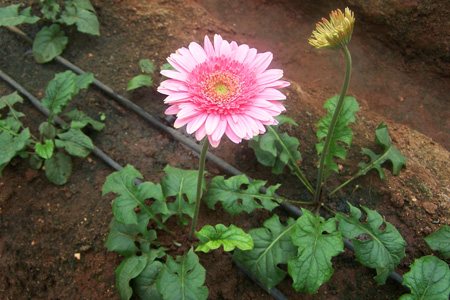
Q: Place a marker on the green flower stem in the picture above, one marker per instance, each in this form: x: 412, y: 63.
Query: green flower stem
x: 296, y: 202
x: 362, y: 171
x: 321, y: 181
x: 201, y: 168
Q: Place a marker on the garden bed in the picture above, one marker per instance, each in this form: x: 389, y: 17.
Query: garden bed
x: 52, y: 241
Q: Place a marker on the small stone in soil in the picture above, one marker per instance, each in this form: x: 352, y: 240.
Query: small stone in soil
x: 429, y: 207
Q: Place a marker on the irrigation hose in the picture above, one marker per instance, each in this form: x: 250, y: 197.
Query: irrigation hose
x: 274, y: 292
x: 293, y: 210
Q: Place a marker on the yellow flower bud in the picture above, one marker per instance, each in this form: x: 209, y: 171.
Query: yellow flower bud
x: 336, y: 33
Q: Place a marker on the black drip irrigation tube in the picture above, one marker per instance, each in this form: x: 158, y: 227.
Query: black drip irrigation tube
x: 293, y: 210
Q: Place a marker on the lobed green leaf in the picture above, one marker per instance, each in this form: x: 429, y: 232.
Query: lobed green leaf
x: 130, y: 196
x: 182, y: 278
x: 81, y: 120
x: 128, y: 269
x: 230, y: 238
x: 144, y: 285
x: 341, y: 134
x: 390, y: 154
x: 10, y: 16
x: 429, y: 279
x: 272, y: 246
x: 75, y: 142
x: 10, y: 145
x: 275, y: 149
x: 385, y: 248
x: 231, y: 190
x: 85, y: 19
x: 180, y: 183
x: 440, y: 240
x: 317, y: 241
x: 147, y: 66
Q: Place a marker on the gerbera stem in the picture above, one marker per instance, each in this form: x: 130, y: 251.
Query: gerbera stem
x: 201, y: 168
x: 321, y: 180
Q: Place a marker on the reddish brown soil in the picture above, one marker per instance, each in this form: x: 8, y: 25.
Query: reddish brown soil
x: 43, y: 226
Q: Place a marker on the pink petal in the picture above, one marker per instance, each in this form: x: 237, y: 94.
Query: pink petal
x: 241, y: 53
x: 251, y: 53
x: 200, y: 132
x: 261, y: 62
x: 234, y: 126
x: 220, y: 130
x: 186, y: 58
x: 217, y: 44
x: 211, y: 123
x: 278, y: 84
x: 174, y: 60
x: 225, y: 49
x: 197, y: 52
x: 212, y: 142
x: 258, y: 113
x: 196, y: 123
x: 269, y: 76
x: 188, y: 111
x: 232, y: 136
x: 172, y: 110
x: 251, y: 123
x: 173, y: 85
x: 271, y: 94
x: 177, y: 97
x: 174, y: 75
x: 181, y: 122
x: 209, y: 49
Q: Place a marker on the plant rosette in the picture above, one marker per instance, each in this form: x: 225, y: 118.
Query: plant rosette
x: 225, y: 89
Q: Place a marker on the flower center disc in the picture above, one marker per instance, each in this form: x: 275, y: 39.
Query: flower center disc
x: 221, y: 88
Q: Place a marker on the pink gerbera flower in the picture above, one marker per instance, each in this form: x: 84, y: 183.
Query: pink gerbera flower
x: 222, y: 89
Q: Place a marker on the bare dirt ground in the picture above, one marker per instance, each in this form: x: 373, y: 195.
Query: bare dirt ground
x: 42, y: 225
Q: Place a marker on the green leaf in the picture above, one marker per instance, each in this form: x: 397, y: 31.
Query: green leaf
x: 85, y: 20
x: 47, y: 130
x: 440, y: 240
x: 390, y: 153
x: 274, y: 149
x: 84, y: 4
x: 131, y: 196
x: 128, y: 269
x: 50, y: 10
x: 36, y: 162
x: 183, y: 278
x: 147, y: 66
x: 59, y: 91
x: 228, y: 237
x: 58, y: 168
x: 10, y: 145
x: 12, y: 121
x: 167, y: 66
x: 49, y: 43
x: 75, y: 142
x: 10, y: 100
x: 272, y: 246
x: 341, y: 134
x: 122, y: 238
x: 83, y: 81
x: 139, y: 81
x: 231, y: 190
x: 144, y: 285
x: 428, y: 279
x: 9, y: 16
x: 317, y: 241
x: 46, y: 150
x: 181, y: 183
x: 385, y: 248
x: 81, y: 120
